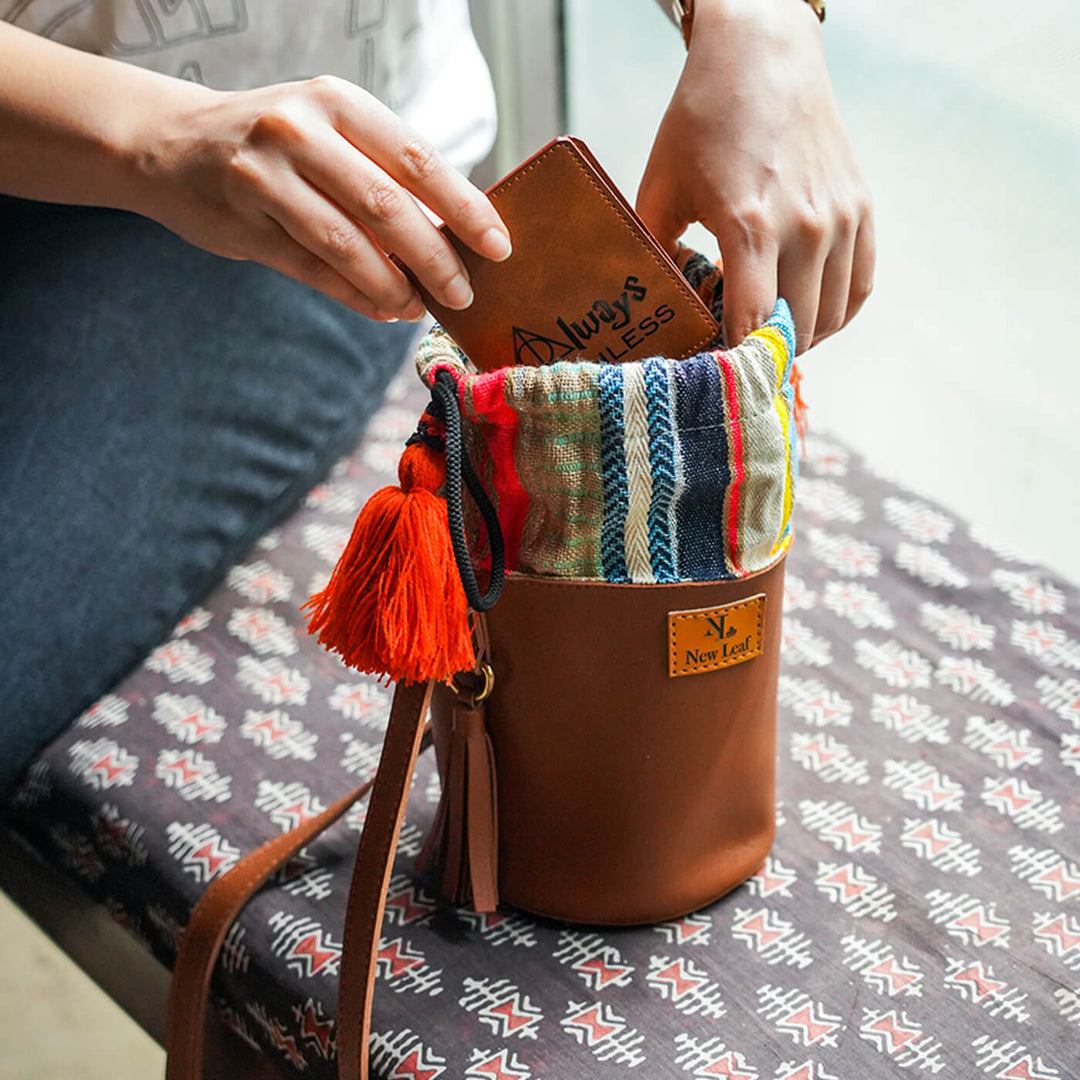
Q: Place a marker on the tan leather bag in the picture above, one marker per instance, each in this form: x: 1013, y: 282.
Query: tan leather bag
x: 624, y: 795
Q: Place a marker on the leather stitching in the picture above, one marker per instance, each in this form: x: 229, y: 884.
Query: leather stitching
x: 516, y: 579
x: 675, y: 617
x: 673, y: 277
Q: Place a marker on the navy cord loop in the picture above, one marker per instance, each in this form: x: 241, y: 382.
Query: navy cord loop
x: 444, y: 406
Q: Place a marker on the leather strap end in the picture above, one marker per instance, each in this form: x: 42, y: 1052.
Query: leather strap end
x: 453, y: 849
x: 483, y: 837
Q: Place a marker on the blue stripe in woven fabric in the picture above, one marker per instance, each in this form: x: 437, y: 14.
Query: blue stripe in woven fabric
x: 699, y: 515
x: 613, y: 466
x: 662, y: 466
x: 793, y: 448
x: 781, y: 319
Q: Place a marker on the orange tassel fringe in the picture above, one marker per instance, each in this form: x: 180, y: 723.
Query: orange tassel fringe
x: 800, y: 409
x: 394, y: 604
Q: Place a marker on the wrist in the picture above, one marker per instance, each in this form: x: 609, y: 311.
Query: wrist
x: 714, y: 13
x: 150, y: 139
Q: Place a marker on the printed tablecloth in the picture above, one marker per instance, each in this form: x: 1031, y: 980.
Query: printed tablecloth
x: 919, y: 913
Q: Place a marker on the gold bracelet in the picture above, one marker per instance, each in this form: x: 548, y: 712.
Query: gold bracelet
x: 683, y: 10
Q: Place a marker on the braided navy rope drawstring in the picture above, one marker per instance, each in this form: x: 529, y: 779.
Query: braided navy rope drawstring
x: 444, y: 406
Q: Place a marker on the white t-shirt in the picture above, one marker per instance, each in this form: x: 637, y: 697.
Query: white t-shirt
x: 418, y: 56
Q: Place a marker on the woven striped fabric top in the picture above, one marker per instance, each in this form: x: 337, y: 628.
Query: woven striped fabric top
x: 656, y: 471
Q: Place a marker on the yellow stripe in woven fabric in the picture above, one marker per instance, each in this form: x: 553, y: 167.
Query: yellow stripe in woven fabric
x: 638, y: 475
x: 778, y: 346
x: 611, y: 471
x: 775, y: 340
x: 784, y: 413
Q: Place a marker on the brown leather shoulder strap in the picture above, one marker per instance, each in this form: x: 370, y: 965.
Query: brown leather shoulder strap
x: 226, y: 897
x: 371, y: 876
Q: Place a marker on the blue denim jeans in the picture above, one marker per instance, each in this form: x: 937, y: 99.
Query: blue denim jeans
x: 159, y: 409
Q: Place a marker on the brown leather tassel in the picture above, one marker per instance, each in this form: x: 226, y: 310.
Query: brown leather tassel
x: 465, y: 834
x: 482, y: 831
x: 453, y: 847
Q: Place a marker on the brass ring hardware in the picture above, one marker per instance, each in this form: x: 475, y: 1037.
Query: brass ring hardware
x: 472, y: 698
x: 489, y: 684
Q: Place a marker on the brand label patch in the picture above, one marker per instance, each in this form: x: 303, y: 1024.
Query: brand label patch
x: 712, y: 638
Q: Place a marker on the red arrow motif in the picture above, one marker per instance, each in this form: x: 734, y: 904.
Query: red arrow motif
x: 897, y: 979
x: 814, y: 1029
x: 110, y: 767
x: 984, y: 985
x: 896, y: 1035
x: 597, y: 1028
x: 680, y: 983
x: 311, y: 947
x: 397, y: 961
x: 411, y: 1068
x: 605, y: 973
x: 211, y: 856
x: 513, y: 1018
x: 984, y: 931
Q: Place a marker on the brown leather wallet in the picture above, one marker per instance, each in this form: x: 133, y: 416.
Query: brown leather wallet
x: 586, y: 280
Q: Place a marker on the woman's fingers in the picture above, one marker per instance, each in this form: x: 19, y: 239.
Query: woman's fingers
x: 336, y: 239
x: 410, y: 160
x: 862, y: 268
x: 835, y: 282
x: 750, y: 285
x: 282, y: 253
x: 391, y: 215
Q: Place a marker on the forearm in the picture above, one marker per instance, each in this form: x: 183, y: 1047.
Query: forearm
x: 71, y: 123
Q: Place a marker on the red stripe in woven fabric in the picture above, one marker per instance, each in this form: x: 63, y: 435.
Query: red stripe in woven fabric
x: 488, y: 393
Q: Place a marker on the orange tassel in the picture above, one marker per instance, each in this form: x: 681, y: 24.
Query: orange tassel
x: 394, y: 604
x: 800, y: 409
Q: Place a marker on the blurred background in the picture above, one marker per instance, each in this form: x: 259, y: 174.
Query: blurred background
x: 960, y: 378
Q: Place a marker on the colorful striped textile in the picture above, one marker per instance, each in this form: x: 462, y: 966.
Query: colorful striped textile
x: 656, y: 471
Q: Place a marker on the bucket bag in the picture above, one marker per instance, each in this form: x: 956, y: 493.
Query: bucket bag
x: 595, y: 634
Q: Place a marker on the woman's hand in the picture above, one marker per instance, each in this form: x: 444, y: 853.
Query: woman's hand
x: 316, y: 179
x: 752, y: 145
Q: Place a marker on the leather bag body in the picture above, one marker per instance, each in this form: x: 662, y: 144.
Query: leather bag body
x: 625, y: 795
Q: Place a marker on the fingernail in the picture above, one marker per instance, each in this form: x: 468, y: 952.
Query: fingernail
x: 414, y: 312
x: 458, y: 293
x: 495, y: 244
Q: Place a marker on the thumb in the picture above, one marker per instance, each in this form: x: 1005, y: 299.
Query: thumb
x: 657, y: 207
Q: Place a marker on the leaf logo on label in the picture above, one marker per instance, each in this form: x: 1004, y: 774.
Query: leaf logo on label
x: 711, y: 638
